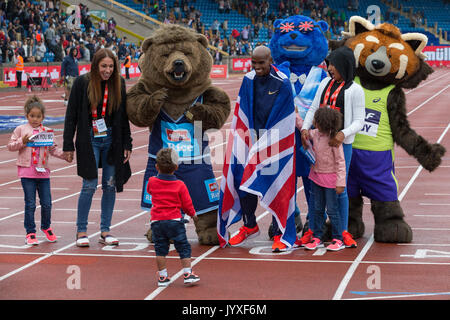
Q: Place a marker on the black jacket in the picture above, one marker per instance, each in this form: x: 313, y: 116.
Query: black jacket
x: 78, y: 119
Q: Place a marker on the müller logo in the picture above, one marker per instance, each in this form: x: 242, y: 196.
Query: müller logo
x: 178, y: 135
x: 213, y: 187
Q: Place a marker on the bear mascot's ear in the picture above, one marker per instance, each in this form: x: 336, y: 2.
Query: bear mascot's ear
x: 277, y: 23
x: 357, y: 25
x: 147, y: 43
x: 202, y: 39
x: 323, y: 26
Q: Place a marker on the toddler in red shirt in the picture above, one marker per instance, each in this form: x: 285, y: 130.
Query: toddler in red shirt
x: 169, y: 196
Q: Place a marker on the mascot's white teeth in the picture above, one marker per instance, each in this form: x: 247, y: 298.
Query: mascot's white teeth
x: 178, y: 75
x: 293, y: 47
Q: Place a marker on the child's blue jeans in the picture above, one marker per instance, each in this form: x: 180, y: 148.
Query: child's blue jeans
x: 165, y: 230
x: 326, y: 198
x: 42, y: 186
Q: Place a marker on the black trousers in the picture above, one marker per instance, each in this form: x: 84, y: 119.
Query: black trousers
x: 19, y: 79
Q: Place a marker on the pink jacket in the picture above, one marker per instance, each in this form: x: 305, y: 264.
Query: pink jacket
x: 328, y: 159
x: 24, y: 158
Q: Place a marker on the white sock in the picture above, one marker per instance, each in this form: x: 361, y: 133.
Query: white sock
x: 163, y: 273
x: 187, y: 270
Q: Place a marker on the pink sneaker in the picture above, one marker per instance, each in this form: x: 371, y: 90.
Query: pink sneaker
x: 31, y: 239
x: 336, y: 245
x: 314, y: 244
x: 49, y: 235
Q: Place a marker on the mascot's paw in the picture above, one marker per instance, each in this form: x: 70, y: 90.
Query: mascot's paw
x: 355, y: 222
x: 356, y: 227
x: 148, y: 235
x: 159, y: 97
x: 395, y: 230
x: 433, y: 157
x: 208, y: 237
x: 206, y: 228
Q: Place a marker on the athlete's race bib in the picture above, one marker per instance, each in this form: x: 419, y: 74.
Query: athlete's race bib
x: 371, y: 123
x: 180, y: 137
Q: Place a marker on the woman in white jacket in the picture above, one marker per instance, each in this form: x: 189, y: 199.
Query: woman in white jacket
x: 340, y: 92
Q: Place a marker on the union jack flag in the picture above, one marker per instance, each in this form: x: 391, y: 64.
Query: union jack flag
x: 306, y: 26
x: 286, y: 27
x: 265, y: 167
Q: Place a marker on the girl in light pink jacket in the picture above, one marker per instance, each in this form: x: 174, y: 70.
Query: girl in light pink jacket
x: 33, y: 170
x: 328, y: 177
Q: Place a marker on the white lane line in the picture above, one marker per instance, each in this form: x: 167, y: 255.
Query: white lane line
x: 402, y: 296
x: 48, y: 255
x: 343, y: 285
x: 426, y: 101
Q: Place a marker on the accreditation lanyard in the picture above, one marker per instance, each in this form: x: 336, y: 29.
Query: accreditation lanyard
x: 99, y: 125
x: 334, y: 96
x: 34, y: 153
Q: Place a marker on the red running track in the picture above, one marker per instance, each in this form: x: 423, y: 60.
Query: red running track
x: 419, y: 270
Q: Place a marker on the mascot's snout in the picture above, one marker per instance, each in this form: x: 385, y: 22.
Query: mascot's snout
x: 378, y: 63
x: 178, y: 70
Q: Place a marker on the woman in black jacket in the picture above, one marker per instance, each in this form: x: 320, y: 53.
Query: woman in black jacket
x: 97, y: 112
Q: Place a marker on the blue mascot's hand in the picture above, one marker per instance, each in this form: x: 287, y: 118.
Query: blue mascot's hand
x: 284, y: 67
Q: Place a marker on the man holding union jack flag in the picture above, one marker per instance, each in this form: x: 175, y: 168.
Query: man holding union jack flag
x: 259, y: 161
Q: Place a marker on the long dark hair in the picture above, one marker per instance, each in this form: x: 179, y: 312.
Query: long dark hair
x: 95, y: 93
x: 328, y: 120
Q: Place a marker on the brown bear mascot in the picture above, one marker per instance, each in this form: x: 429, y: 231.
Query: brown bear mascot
x: 174, y: 97
x: 387, y: 61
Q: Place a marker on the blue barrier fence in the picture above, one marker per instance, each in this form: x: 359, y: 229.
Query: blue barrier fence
x: 9, y: 123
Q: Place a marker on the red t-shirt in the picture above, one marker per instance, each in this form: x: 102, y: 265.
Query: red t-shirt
x: 169, y: 195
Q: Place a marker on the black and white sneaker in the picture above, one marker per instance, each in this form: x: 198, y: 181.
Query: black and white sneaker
x: 190, y: 278
x: 163, y: 281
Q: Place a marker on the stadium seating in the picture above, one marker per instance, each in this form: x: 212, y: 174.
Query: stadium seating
x: 433, y: 12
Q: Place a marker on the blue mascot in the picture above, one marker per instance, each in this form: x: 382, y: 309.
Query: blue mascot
x: 298, y: 47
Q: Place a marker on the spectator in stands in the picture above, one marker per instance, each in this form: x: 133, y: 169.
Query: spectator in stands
x: 40, y: 51
x: 215, y: 27
x: 85, y: 53
x: 28, y: 50
x: 224, y: 27
x: 69, y: 71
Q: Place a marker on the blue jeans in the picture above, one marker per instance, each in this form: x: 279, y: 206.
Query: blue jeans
x: 326, y: 198
x: 343, y: 197
x: 42, y: 186
x: 101, y: 147
x: 165, y: 230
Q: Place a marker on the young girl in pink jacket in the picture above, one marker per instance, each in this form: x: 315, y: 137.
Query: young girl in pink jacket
x: 328, y: 177
x: 33, y: 170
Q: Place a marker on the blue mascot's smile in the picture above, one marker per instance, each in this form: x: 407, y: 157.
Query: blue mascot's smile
x: 294, y: 47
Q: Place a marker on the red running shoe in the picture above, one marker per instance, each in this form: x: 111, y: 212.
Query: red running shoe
x: 348, y: 240
x: 307, y: 237
x: 244, y: 234
x: 31, y: 239
x: 49, y: 235
x: 277, y: 245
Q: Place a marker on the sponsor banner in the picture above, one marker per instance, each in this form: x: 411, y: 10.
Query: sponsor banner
x: 244, y: 64
x: 219, y: 71
x: 9, y: 74
x: 437, y: 56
